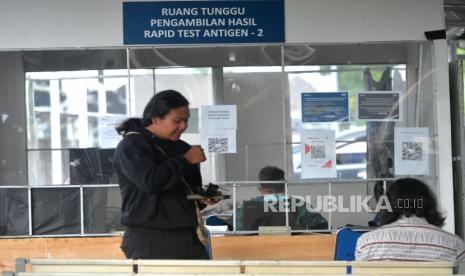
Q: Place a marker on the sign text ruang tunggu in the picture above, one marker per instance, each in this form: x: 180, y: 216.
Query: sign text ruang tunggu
x: 194, y: 22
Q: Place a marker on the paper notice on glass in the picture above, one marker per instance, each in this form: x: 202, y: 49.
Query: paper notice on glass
x: 107, y: 135
x: 219, y: 141
x: 218, y: 117
x: 318, y: 154
x: 325, y: 107
x: 379, y: 106
x: 411, y: 150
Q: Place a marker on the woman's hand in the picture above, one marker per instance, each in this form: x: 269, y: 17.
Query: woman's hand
x: 209, y: 201
x: 195, y: 155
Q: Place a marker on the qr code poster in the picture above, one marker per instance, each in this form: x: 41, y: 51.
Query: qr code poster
x: 318, y: 154
x: 411, y: 147
x: 220, y: 141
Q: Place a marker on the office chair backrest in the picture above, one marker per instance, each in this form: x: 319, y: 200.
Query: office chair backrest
x: 346, y: 240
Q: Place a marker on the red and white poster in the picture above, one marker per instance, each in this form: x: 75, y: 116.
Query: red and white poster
x: 318, y: 153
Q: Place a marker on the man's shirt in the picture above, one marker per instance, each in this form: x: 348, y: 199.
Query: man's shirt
x: 409, y: 239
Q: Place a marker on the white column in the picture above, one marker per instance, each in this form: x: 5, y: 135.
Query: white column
x: 441, y: 88
x: 55, y: 126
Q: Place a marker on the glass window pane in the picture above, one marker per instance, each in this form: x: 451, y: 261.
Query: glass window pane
x: 48, y: 167
x: 41, y: 98
x: 14, y: 212
x: 56, y: 211
x: 269, y: 206
x: 74, y: 97
x: 93, y: 139
x: 258, y: 94
x: 246, y: 193
x: 91, y: 166
x: 195, y: 83
x: 348, y: 196
x: 351, y: 137
x: 39, y: 130
x: 92, y: 100
x: 116, y: 100
x: 102, y: 210
x: 310, y: 193
x: 69, y: 129
x: 66, y: 107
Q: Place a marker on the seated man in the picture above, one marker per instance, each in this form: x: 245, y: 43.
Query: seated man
x: 412, y: 231
x: 251, y: 214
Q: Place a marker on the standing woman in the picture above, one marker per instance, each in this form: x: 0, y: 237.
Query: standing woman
x: 156, y: 172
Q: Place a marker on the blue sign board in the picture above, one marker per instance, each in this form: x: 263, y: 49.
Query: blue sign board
x: 325, y: 107
x: 194, y: 22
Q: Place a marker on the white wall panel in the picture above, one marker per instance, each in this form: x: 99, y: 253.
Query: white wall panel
x: 400, y: 19
x: 343, y: 21
x: 26, y: 24
x: 323, y: 21
x: 60, y: 23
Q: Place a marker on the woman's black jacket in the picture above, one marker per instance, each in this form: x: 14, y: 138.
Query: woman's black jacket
x: 152, y: 192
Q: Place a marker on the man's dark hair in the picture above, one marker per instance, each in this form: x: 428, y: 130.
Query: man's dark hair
x: 272, y: 173
x: 158, y: 106
x: 409, y: 196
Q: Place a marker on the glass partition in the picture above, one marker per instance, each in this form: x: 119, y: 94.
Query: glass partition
x: 102, y: 210
x: 55, y: 211
x: 16, y: 219
x: 74, y: 98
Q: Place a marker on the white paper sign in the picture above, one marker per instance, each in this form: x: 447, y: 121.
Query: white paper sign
x: 411, y: 150
x: 108, y: 137
x: 318, y: 154
x: 219, y: 141
x: 218, y: 117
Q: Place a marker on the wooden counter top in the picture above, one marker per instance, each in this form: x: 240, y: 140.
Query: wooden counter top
x: 301, y: 247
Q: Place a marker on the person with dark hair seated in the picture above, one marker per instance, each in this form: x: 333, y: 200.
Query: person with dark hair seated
x: 251, y: 214
x: 411, y: 230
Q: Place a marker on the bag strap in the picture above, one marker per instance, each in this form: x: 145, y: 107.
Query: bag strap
x: 160, y: 149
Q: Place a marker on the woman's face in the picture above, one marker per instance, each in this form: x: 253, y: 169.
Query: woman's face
x: 172, y: 125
